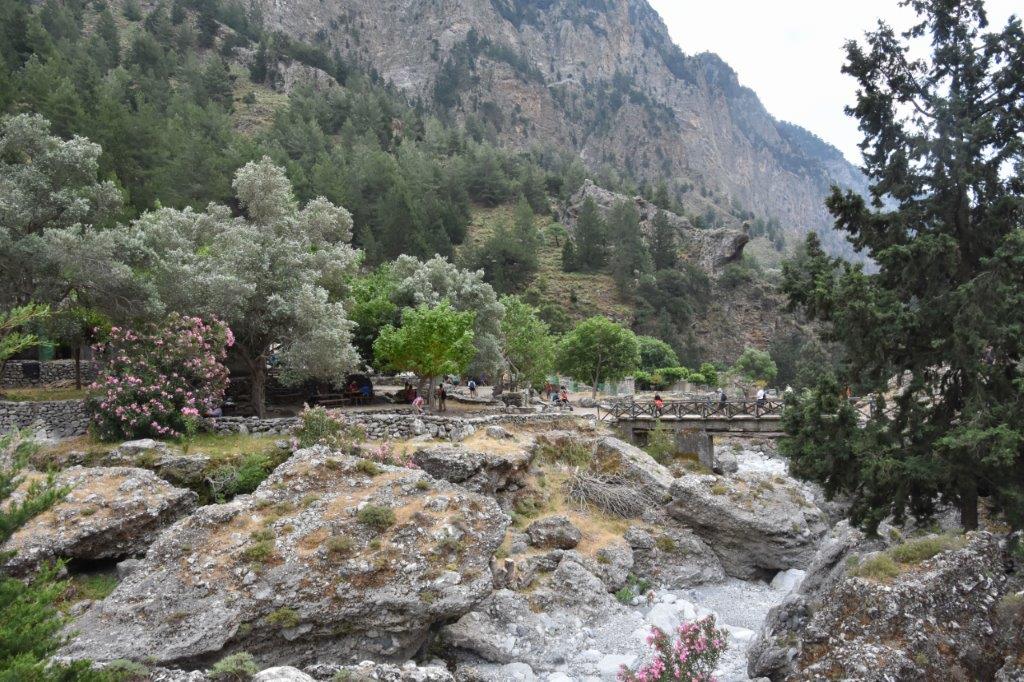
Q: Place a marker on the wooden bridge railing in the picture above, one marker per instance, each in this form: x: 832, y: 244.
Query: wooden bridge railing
x: 692, y: 409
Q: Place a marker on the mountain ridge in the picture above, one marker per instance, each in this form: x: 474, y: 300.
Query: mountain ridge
x: 601, y: 79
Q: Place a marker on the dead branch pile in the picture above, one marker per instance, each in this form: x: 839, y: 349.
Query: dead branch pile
x: 608, y: 493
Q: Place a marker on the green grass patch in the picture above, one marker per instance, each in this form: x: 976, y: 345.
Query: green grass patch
x: 284, y: 618
x: 234, y: 668
x: 922, y: 549
x: 572, y: 452
x: 94, y: 586
x: 878, y: 567
x: 44, y: 393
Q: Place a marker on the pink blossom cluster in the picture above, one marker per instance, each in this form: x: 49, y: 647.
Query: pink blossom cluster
x: 691, y: 656
x: 156, y: 380
x: 385, y: 454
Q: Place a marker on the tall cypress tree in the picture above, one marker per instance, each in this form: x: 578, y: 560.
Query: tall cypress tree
x: 942, y: 316
x: 591, y: 238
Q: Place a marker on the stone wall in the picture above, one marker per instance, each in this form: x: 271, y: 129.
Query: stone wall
x: 20, y: 374
x: 397, y: 425
x: 58, y: 418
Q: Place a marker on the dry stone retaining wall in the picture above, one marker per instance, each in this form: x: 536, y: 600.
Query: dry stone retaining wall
x: 395, y: 425
x: 59, y: 418
x: 21, y: 374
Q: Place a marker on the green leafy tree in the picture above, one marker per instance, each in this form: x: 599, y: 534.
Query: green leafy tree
x: 432, y: 341
x: 436, y: 280
x: 655, y: 354
x: 13, y: 337
x: 755, y: 365
x: 372, y: 308
x: 943, y: 313
x: 527, y: 345
x: 598, y: 350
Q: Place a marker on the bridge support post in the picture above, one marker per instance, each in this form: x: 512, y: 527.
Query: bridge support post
x: 698, y: 443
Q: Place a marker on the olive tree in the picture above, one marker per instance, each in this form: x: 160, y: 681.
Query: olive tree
x: 276, y: 275
x: 47, y: 185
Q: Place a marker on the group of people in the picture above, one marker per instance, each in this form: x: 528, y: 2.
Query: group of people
x: 558, y: 396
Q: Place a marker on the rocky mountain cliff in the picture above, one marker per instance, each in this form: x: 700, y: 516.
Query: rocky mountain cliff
x: 600, y: 78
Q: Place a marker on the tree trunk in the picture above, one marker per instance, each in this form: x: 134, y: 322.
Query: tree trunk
x: 969, y: 506
x: 258, y: 387
x: 431, y: 398
x: 78, y: 368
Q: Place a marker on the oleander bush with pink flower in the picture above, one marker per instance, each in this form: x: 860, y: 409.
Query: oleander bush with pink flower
x: 690, y: 656
x: 160, y: 379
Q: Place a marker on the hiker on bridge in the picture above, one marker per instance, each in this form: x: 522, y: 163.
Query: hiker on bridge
x: 722, y: 397
x: 761, y: 396
x: 659, y: 405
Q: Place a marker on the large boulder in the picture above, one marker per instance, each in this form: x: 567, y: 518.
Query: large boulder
x: 480, y: 472
x: 554, y: 532
x: 369, y: 671
x: 672, y: 556
x: 930, y: 620
x: 108, y: 513
x: 170, y: 463
x: 757, y: 524
x: 620, y: 459
x: 332, y: 558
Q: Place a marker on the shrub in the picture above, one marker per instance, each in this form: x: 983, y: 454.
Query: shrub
x: 367, y: 467
x: 661, y: 444
x: 377, y: 517
x: 158, y: 381
x: 689, y: 657
x: 284, y: 618
x: 673, y: 374
x: 94, y: 587
x: 242, y: 478
x: 877, y: 567
x: 339, y: 546
x: 123, y: 670
x: 319, y: 427
x: 235, y: 668
x: 262, y: 547
x: 916, y: 551
x: 633, y: 588
x: 571, y: 452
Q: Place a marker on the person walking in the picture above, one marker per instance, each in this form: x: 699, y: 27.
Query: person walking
x: 659, y: 405
x: 761, y: 393
x: 472, y: 387
x: 442, y: 398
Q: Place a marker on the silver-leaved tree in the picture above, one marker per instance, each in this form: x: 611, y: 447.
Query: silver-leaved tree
x: 276, y: 274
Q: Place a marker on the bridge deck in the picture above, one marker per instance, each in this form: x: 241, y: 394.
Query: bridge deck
x: 693, y: 410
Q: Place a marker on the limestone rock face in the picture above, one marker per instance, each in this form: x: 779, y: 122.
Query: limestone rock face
x: 481, y: 472
x: 672, y: 556
x: 619, y: 458
x: 108, y: 513
x: 603, y: 80
x: 755, y: 523
x: 711, y: 249
x: 368, y: 671
x: 330, y: 559
x: 554, y: 532
x: 935, y: 620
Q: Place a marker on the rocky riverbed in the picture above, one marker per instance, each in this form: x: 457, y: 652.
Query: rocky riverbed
x: 522, y: 551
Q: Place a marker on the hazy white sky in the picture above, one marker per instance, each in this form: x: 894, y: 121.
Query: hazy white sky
x: 790, y: 51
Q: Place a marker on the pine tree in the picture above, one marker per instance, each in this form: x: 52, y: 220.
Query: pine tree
x: 944, y: 311
x: 630, y: 259
x: 591, y: 238
x: 664, y: 246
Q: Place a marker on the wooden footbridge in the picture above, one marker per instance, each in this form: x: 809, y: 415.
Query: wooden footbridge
x: 730, y: 416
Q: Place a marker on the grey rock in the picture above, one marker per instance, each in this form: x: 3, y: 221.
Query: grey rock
x: 480, y: 472
x: 754, y: 523
x: 553, y: 532
x: 497, y: 432
x: 108, y: 513
x: 619, y: 458
x: 368, y: 671
x: 375, y: 592
x: 672, y: 556
x: 282, y: 673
